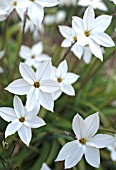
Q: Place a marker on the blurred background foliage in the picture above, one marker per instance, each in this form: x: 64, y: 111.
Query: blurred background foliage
x: 95, y: 91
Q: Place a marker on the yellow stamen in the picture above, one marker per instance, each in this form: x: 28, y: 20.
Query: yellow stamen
x: 33, y: 56
x: 59, y: 80
x: 82, y: 141
x: 87, y: 33
x: 36, y: 84
x: 75, y: 38
x: 22, y: 119
x: 15, y: 3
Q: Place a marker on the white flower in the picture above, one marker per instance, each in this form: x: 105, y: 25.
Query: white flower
x: 113, y: 1
x: 71, y: 40
x: 33, y: 56
x: 3, y: 15
x: 37, y: 85
x: 86, y: 52
x: 21, y: 120
x: 91, y: 31
x: 38, y: 6
x: 56, y: 18
x: 112, y: 149
x: 68, y: 2
x: 65, y: 79
x: 87, y: 143
x: 10, y: 5
x: 35, y: 30
x: 45, y: 167
x: 96, y: 4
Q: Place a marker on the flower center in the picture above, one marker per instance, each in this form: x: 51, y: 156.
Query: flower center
x: 22, y: 119
x: 59, y: 80
x: 15, y: 3
x: 36, y: 84
x: 33, y: 56
x: 32, y: 0
x: 87, y: 33
x: 82, y: 141
x: 75, y: 38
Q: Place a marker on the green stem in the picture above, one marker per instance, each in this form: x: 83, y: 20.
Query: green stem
x: 67, y: 52
x: 5, y: 34
x: 22, y: 40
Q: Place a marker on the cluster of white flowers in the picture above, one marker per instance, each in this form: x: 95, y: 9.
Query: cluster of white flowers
x: 42, y: 83
x: 33, y: 56
x: 30, y: 5
x: 87, y: 35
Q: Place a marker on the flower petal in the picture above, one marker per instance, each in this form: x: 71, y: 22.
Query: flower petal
x: 87, y: 55
x: 20, y: 12
x: 25, y: 134
x: 79, y: 126
x: 101, y: 140
x: 12, y: 127
x: 25, y: 52
x: 66, y: 32
x: 56, y: 94
x: 70, y: 78
x: 37, y: 16
x: 77, y: 25
x: 37, y: 48
x: 45, y: 167
x: 77, y: 50
x: 18, y: 107
x: 62, y: 69
x: 74, y: 157
x: 44, y: 70
x: 27, y: 73
x: 101, y: 23
x: 92, y: 125
x: 49, y: 3
x: 71, y: 152
x: 66, y: 43
x: 103, y: 39
x: 46, y: 100
x: 89, y: 19
x: 49, y: 86
x: 20, y: 87
x: 102, y: 6
x: 35, y: 110
x: 34, y: 121
x: 68, y: 89
x: 113, y: 155
x: 8, y: 114
x: 32, y: 98
x: 92, y: 156
x: 95, y: 49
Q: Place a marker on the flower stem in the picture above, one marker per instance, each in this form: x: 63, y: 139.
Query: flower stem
x: 22, y: 40
x: 66, y: 53
x: 4, y: 40
x: 68, y: 134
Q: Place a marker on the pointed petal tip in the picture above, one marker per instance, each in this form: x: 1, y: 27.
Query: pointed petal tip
x: 6, y: 88
x: 6, y: 136
x: 27, y: 144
